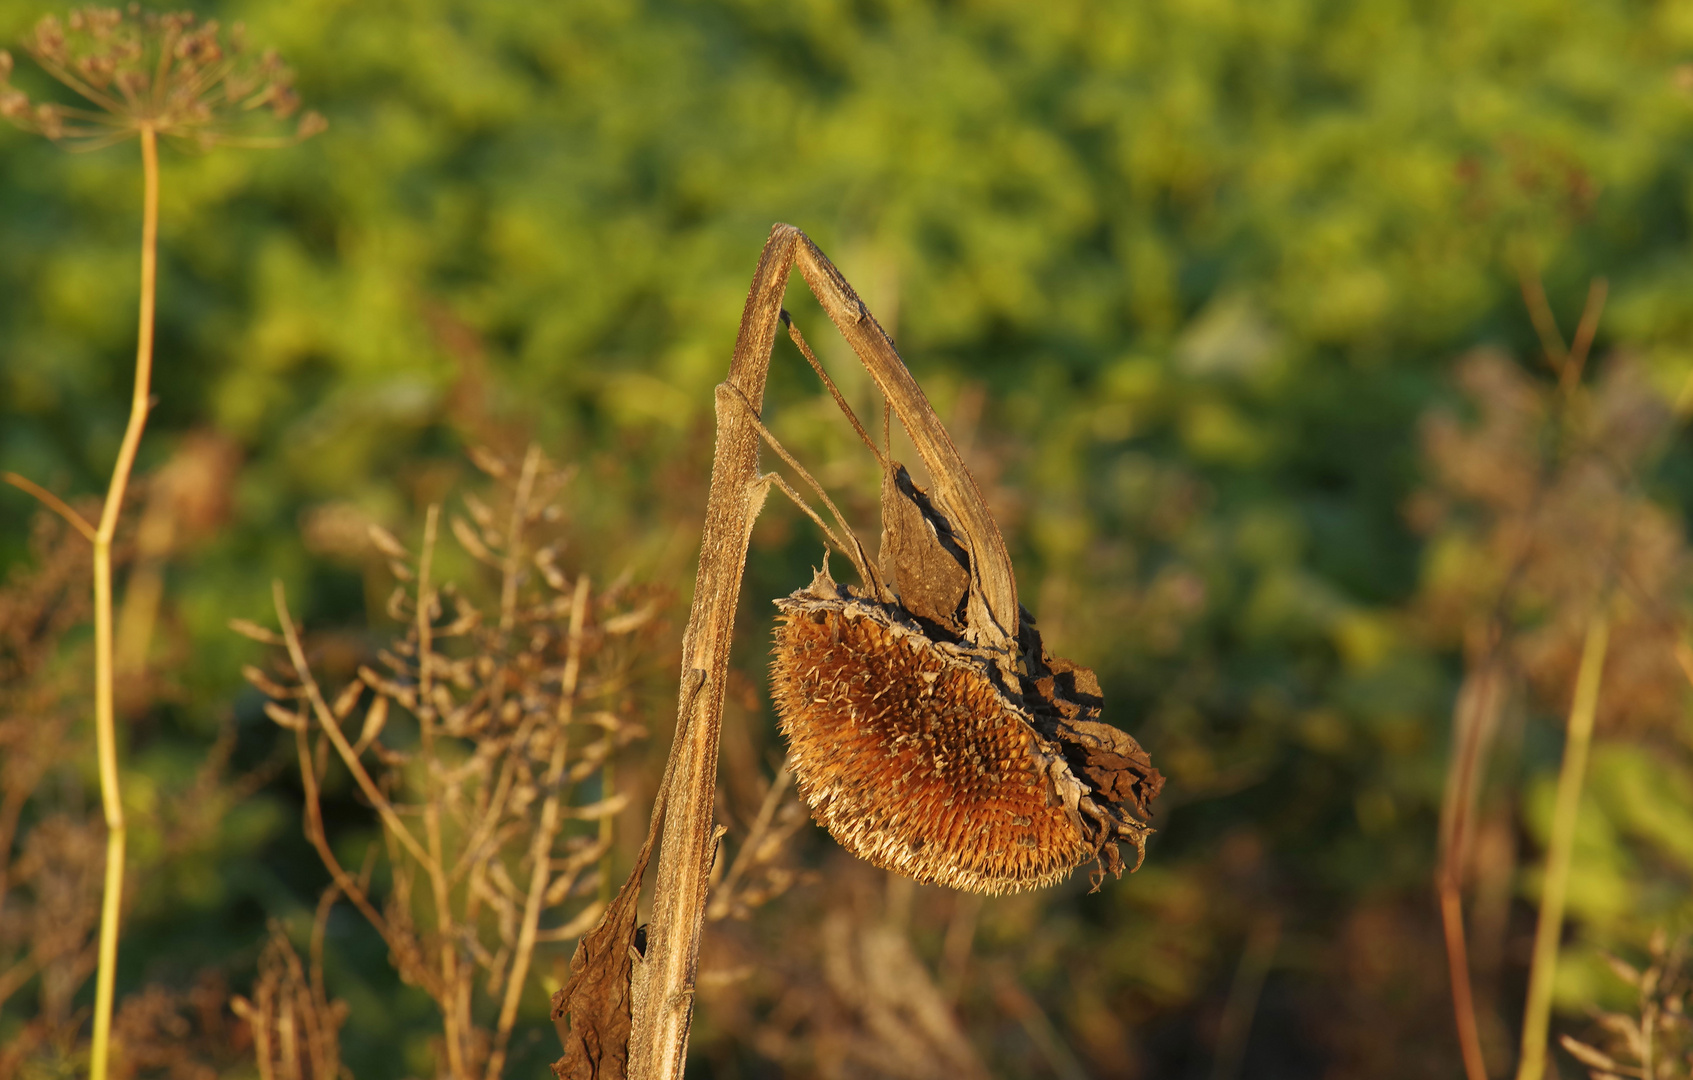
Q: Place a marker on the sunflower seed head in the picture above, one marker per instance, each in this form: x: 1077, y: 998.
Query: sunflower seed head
x: 915, y: 758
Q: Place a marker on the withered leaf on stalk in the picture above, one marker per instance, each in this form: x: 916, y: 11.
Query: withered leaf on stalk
x: 597, y: 997
x: 920, y: 557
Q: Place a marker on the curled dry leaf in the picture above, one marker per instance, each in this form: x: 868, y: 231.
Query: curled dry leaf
x: 597, y: 998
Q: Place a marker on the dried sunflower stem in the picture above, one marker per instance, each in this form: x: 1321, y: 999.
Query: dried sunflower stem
x: 105, y: 724
x: 663, y: 985
x: 1537, y: 1013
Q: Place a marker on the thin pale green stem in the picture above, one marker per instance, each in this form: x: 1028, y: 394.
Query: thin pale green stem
x: 53, y: 503
x: 105, y: 723
x: 1537, y: 1013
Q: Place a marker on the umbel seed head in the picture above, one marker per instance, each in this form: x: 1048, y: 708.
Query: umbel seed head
x: 914, y: 755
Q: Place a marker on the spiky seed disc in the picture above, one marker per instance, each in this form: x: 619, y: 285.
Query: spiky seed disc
x: 911, y: 758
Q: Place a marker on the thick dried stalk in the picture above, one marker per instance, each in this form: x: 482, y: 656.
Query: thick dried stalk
x: 1537, y: 1013
x: 663, y: 986
x: 105, y: 723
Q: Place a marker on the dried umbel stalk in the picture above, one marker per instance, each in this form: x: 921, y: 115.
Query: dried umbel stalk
x: 142, y: 70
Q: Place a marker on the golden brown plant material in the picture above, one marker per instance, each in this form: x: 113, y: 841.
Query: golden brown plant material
x: 915, y: 759
x: 292, y: 1024
x: 1654, y: 1040
x: 479, y: 730
x: 933, y: 748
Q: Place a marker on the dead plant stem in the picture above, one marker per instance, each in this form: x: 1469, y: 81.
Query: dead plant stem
x: 1474, y: 725
x: 1458, y: 965
x: 105, y: 721
x: 326, y: 719
x: 1537, y: 1012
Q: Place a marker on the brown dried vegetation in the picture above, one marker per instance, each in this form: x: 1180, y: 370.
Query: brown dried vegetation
x: 478, y: 736
x: 293, y: 1025
x: 1655, y: 1040
x: 50, y: 871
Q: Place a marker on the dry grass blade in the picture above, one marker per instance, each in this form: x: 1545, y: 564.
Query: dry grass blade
x: 1655, y: 1040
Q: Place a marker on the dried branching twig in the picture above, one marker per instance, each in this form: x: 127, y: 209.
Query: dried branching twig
x: 1655, y: 1042
x: 142, y: 75
x: 1548, y: 549
x: 477, y: 738
x: 757, y: 876
x: 295, y: 1028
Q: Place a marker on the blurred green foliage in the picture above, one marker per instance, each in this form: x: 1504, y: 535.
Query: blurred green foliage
x: 1182, y: 275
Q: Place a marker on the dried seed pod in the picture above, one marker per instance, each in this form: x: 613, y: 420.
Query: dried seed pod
x: 917, y: 757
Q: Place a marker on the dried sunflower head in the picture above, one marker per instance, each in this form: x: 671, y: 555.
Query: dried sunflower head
x: 938, y: 758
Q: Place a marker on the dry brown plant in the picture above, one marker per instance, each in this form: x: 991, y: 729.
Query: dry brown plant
x: 838, y: 988
x: 294, y: 1026
x: 146, y: 72
x: 52, y: 846
x: 1550, y: 559
x: 762, y: 868
x: 478, y: 733
x: 1655, y: 1040
x: 165, y: 1034
x: 51, y: 857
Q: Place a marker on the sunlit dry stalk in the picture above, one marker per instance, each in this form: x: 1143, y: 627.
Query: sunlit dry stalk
x: 105, y: 729
x: 295, y: 1026
x: 542, y: 842
x: 1542, y: 505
